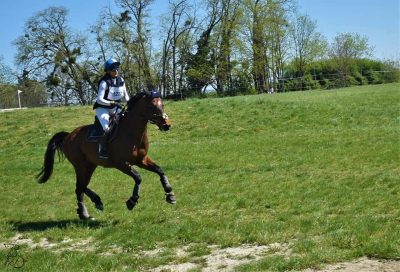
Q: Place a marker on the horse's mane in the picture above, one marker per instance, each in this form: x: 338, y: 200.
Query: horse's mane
x: 134, y: 99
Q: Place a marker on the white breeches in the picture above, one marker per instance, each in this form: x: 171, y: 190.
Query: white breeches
x: 103, y: 115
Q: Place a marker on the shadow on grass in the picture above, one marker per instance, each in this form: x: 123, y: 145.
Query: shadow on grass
x: 59, y: 224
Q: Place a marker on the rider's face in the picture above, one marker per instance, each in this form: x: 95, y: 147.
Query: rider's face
x: 113, y: 73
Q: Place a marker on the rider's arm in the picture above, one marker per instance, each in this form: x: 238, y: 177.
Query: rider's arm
x: 101, y: 93
x: 126, y: 94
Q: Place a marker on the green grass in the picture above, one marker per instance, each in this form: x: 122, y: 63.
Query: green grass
x: 316, y: 170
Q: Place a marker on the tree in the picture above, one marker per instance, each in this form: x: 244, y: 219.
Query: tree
x: 230, y: 17
x: 277, y: 39
x: 7, y: 75
x: 141, y: 43
x: 114, y: 37
x: 347, y: 47
x: 256, y: 9
x: 173, y: 49
x: 308, y: 44
x: 8, y: 90
x: 33, y: 93
x: 267, y: 27
x: 99, y: 32
x: 8, y: 96
x: 49, y: 51
x: 200, y: 68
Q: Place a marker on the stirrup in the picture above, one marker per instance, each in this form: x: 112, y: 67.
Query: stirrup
x: 103, y: 157
x: 102, y: 152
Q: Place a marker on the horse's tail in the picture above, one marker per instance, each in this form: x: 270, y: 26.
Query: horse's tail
x: 55, y: 144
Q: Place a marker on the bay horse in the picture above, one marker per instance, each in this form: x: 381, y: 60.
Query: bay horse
x: 129, y: 147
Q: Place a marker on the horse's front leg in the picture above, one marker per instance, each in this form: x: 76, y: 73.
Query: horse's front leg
x: 150, y: 165
x: 128, y: 169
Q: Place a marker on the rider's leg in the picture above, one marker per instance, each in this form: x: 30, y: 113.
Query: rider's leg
x: 104, y: 117
x: 103, y: 153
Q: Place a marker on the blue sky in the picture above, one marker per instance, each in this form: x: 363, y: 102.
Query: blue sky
x: 379, y: 20
x: 376, y: 19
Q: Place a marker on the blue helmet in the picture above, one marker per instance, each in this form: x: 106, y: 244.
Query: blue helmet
x: 111, y: 64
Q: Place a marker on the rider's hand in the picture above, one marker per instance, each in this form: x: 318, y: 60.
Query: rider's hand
x: 116, y: 104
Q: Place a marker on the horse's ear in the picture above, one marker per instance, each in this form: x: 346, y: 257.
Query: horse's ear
x: 155, y: 94
x: 152, y: 94
x: 147, y: 94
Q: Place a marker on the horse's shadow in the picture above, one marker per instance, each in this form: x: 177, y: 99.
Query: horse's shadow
x: 58, y: 224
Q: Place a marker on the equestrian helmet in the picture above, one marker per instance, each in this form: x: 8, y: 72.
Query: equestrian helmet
x: 111, y: 64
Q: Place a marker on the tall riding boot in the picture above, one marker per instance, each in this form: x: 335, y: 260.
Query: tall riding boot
x: 103, y: 147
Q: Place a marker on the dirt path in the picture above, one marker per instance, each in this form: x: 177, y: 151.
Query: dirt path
x: 226, y: 259
x: 361, y: 265
x: 219, y: 259
x: 223, y: 263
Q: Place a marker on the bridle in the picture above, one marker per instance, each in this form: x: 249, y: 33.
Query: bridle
x: 155, y: 116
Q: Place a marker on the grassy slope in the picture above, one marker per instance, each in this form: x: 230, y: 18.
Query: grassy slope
x: 318, y: 170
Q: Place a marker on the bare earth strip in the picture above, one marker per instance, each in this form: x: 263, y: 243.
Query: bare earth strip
x: 64, y: 245
x: 226, y: 259
x: 220, y: 259
x: 361, y: 265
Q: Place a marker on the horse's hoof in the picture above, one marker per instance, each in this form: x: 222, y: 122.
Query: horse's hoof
x: 100, y: 207
x: 82, y: 213
x: 131, y: 203
x: 170, y: 198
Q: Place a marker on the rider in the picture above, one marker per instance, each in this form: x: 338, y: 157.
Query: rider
x: 112, y: 89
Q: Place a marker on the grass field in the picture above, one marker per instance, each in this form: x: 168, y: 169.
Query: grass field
x: 317, y: 172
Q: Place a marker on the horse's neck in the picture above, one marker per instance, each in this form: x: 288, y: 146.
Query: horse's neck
x: 134, y: 125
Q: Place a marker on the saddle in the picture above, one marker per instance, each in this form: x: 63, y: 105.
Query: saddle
x: 95, y: 131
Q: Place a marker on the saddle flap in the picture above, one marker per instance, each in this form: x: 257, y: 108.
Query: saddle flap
x: 95, y: 131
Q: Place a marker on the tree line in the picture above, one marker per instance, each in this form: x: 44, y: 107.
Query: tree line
x: 227, y: 46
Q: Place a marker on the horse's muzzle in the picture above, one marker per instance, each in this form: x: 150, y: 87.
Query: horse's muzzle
x: 165, y: 127
x: 162, y: 122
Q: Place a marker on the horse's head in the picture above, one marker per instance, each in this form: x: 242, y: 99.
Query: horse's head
x: 153, y: 109
x: 157, y: 113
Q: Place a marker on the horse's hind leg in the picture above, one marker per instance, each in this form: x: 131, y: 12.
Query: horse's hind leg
x: 84, y: 171
x: 95, y: 198
x: 150, y: 165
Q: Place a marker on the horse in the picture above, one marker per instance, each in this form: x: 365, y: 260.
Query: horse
x: 129, y: 147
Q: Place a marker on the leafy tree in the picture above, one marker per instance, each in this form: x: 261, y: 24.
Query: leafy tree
x: 257, y: 11
x: 308, y: 44
x: 8, y: 88
x: 6, y: 73
x: 237, y: 46
x: 347, y: 47
x: 8, y: 96
x: 200, y: 67
x: 137, y: 40
x: 267, y: 27
x: 49, y: 51
x: 231, y: 13
x: 33, y: 92
x: 176, y: 39
x: 277, y: 38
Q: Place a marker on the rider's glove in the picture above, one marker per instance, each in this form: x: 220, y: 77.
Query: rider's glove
x: 116, y: 104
